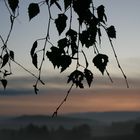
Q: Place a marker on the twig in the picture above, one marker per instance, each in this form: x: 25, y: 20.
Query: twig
x: 28, y: 71
x: 44, y: 48
x: 118, y: 62
x: 62, y: 102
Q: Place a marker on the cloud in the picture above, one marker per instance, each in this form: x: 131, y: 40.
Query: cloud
x: 58, y: 84
x: 19, y: 97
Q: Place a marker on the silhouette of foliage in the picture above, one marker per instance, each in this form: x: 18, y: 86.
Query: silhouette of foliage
x: 33, y: 10
x: 88, y: 76
x: 100, y: 61
x: 5, y: 60
x: 4, y: 83
x: 71, y: 44
x: 13, y: 4
x: 76, y: 77
x: 61, y: 23
x: 111, y: 32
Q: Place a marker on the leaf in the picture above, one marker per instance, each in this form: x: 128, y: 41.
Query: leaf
x: 56, y: 3
x: 13, y: 4
x: 47, y: 1
x: 33, y: 10
x: 66, y: 61
x: 101, y: 13
x: 12, y: 55
x: 55, y: 56
x: 72, y: 35
x: 4, y: 83
x: 33, y: 54
x: 111, y: 32
x: 33, y: 48
x: 67, y: 3
x: 88, y: 37
x: 5, y: 59
x: 58, y: 58
x: 81, y: 6
x: 62, y: 43
x: 88, y: 76
x: 74, y: 48
x: 76, y: 77
x: 34, y: 60
x: 100, y: 61
x: 52, y: 2
x: 61, y: 23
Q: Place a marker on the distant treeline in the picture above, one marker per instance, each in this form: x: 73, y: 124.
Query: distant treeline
x: 82, y: 132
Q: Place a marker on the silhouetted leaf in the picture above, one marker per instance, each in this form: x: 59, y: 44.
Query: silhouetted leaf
x: 81, y: 6
x: 84, y: 38
x: 58, y: 58
x: 12, y: 55
x: 4, y: 83
x: 72, y: 35
x: 55, y: 56
x: 101, y: 13
x: 111, y: 32
x: 74, y: 48
x: 61, y: 23
x: 34, y: 60
x: 56, y: 3
x: 5, y: 59
x: 100, y: 61
x: 13, y: 4
x: 53, y: 1
x: 47, y: 1
x: 88, y: 76
x: 67, y: 3
x: 86, y: 16
x: 33, y: 10
x: 65, y: 62
x: 33, y: 48
x: 76, y: 77
x: 62, y: 43
x: 88, y: 37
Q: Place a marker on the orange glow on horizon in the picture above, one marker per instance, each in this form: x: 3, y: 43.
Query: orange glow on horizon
x: 78, y: 101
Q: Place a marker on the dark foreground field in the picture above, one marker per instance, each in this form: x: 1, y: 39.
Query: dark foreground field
x: 82, y: 132
x: 95, y: 126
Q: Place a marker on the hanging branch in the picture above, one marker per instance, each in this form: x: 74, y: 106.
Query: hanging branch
x: 62, y: 102
x: 105, y: 68
x: 118, y: 63
x: 70, y: 44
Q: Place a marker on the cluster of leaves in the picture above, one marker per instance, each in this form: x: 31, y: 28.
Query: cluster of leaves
x: 71, y: 44
x: 7, y: 55
x: 68, y: 47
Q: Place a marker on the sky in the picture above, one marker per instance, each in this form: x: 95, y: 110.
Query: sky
x: 19, y: 97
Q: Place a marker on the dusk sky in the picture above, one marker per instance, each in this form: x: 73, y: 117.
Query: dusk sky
x: 19, y: 97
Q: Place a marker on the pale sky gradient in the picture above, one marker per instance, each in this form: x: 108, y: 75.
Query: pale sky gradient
x: 19, y: 98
